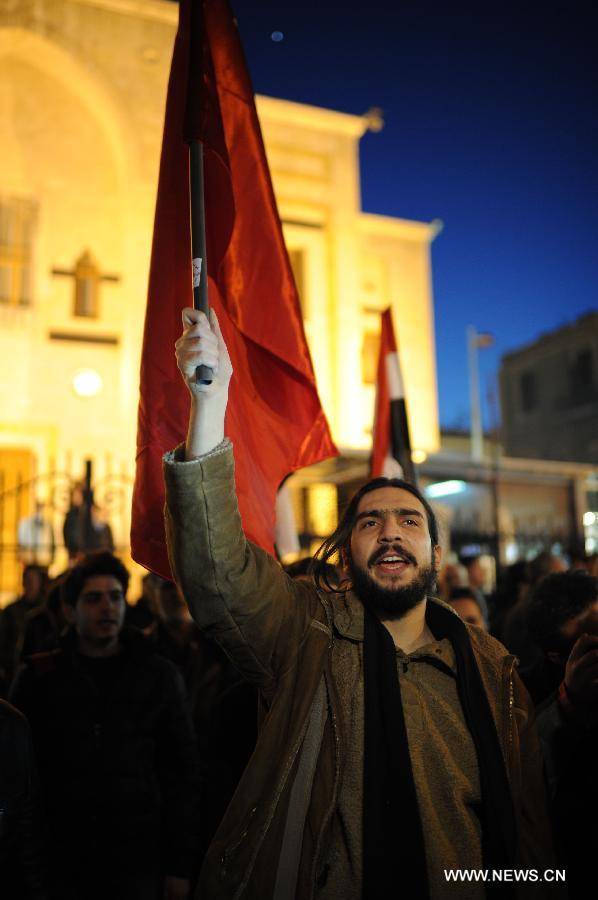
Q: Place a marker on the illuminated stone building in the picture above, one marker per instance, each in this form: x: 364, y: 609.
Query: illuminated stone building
x: 82, y: 89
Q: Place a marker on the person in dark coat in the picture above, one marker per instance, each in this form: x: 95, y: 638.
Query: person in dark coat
x: 116, y: 749
x: 22, y: 844
x: 563, y: 621
x: 145, y: 613
x: 74, y: 521
x: 13, y: 620
x: 45, y: 624
x: 176, y: 636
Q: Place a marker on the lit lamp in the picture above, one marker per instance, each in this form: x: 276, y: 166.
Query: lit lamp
x: 444, y: 488
x: 475, y: 341
x: 87, y: 383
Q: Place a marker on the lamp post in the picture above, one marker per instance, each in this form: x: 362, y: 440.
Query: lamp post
x: 475, y: 341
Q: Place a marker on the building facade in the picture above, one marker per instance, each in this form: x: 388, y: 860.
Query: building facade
x: 82, y: 92
x: 549, y: 395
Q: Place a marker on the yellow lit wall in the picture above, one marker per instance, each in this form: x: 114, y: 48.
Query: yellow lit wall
x: 354, y: 266
x: 82, y: 90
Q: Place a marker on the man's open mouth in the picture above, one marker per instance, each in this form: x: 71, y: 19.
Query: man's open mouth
x: 392, y: 563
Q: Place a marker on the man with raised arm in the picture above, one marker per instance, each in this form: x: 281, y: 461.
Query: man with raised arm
x: 396, y: 745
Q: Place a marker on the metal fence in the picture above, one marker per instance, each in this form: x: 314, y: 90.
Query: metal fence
x: 29, y: 538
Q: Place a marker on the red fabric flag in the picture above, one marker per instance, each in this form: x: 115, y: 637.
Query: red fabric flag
x: 274, y: 415
x: 392, y: 444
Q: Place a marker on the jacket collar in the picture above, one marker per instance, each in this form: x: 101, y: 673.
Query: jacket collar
x: 494, y: 660
x: 348, y: 614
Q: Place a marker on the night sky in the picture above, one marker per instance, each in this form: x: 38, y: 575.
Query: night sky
x: 490, y: 126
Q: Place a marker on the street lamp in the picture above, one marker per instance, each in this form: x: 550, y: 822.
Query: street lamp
x: 475, y: 341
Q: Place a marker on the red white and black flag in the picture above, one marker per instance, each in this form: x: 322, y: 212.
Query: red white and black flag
x: 391, y: 452
x: 274, y: 416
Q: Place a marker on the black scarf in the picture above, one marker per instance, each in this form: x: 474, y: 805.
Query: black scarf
x: 394, y: 859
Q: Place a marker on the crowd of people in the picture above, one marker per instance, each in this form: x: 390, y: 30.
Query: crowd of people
x: 328, y: 732
x: 545, y: 611
x: 123, y: 733
x: 127, y: 729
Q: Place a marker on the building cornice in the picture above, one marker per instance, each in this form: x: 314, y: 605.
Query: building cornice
x: 155, y: 10
x: 315, y: 118
x: 406, y: 229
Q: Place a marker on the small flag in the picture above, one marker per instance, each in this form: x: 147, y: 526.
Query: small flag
x: 391, y: 453
x: 484, y: 339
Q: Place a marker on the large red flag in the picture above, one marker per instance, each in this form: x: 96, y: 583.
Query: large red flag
x: 274, y: 416
x: 391, y: 452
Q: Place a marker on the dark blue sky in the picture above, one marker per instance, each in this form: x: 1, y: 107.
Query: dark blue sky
x: 489, y: 112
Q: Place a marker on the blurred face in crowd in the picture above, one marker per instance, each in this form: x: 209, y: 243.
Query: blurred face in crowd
x: 151, y: 592
x: 172, y: 605
x: 391, y: 560
x: 32, y: 585
x: 98, y: 614
x: 450, y: 577
x: 584, y: 623
x: 475, y: 574
x: 469, y: 611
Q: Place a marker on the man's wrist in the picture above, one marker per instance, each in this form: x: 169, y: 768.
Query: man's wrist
x: 206, y: 426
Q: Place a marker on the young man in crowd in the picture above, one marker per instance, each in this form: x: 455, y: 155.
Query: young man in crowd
x: 397, y: 742
x: 116, y: 750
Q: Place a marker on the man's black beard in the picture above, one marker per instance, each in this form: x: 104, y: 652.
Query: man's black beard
x: 391, y: 603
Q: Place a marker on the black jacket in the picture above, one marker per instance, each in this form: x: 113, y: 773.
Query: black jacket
x: 117, y: 757
x: 22, y: 858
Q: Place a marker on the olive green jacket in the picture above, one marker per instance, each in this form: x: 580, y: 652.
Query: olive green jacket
x: 279, y: 633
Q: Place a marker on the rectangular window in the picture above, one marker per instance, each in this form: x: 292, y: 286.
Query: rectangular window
x: 17, y: 224
x: 87, y: 279
x: 529, y: 391
x: 297, y: 260
x: 370, y: 351
x: 581, y: 378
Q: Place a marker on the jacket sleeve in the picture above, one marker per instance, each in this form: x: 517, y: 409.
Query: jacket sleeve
x: 549, y: 722
x: 237, y: 593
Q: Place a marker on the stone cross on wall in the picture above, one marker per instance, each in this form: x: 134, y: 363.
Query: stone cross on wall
x: 87, y: 277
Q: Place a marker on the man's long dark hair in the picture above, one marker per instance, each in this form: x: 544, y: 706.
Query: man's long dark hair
x: 341, y: 536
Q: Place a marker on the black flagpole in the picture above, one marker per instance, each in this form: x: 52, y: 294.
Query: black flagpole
x: 199, y: 262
